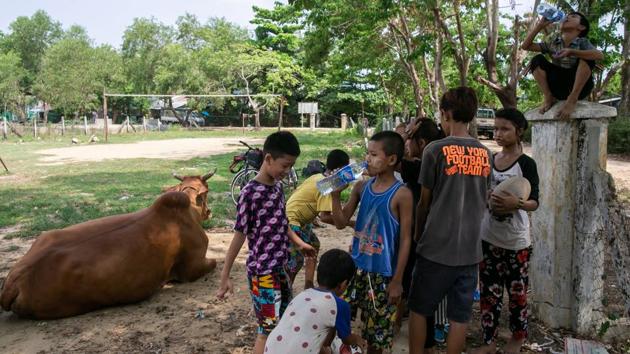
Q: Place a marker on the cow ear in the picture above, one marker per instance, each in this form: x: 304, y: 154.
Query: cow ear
x: 208, y: 175
x: 178, y: 177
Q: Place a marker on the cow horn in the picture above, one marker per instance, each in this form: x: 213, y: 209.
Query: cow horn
x: 175, y: 175
x: 208, y: 175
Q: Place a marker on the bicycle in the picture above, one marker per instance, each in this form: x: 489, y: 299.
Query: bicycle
x: 246, y: 166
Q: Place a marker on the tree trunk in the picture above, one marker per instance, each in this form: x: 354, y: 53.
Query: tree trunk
x: 257, y: 120
x: 404, y: 45
x: 462, y: 60
x: 624, y: 105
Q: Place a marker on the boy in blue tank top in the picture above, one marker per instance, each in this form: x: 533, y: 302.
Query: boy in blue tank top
x: 381, y: 242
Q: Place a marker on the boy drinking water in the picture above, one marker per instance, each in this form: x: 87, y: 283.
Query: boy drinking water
x: 304, y: 205
x: 317, y: 314
x: 455, y: 176
x: 380, y: 246
x: 568, y: 75
x: 261, y: 220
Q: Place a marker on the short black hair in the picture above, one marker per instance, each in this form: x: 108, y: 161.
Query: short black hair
x: 425, y: 128
x: 281, y: 143
x: 462, y: 101
x: 584, y: 22
x: 393, y: 143
x: 335, y: 266
x: 513, y: 115
x: 336, y: 159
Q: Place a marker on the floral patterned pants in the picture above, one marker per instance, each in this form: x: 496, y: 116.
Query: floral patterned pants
x: 503, y: 269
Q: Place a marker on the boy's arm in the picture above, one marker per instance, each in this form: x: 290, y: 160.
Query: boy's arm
x: 337, y: 220
x: 422, y: 211
x: 404, y: 203
x: 345, y: 213
x: 528, y: 43
x: 591, y: 54
x: 302, y: 246
x: 235, y: 246
x: 309, y: 272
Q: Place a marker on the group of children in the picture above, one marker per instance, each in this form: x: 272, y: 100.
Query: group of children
x: 424, y: 234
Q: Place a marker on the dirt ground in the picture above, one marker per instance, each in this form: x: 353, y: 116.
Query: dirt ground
x: 173, y: 149
x: 187, y: 317
x: 180, y: 318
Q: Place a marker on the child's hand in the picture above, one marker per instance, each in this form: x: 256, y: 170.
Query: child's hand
x: 307, y: 250
x: 564, y: 52
x: 226, y: 288
x: 504, y: 203
x: 394, y: 290
x: 542, y: 23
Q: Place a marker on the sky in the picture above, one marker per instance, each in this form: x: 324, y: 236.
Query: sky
x: 106, y: 21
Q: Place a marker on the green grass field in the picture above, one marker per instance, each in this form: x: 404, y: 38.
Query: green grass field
x: 36, y: 197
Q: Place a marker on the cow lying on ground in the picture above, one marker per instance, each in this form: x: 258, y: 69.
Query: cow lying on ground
x: 114, y: 260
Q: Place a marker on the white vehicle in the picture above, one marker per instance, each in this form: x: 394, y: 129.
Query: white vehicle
x: 485, y: 122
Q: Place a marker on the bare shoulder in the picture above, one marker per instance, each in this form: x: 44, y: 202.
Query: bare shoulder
x: 403, y: 195
x: 358, y: 186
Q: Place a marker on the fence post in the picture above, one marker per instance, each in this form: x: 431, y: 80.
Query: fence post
x: 144, y: 124
x: 63, y: 126
x: 4, y: 128
x: 85, y: 128
x: 35, y: 127
x: 568, y: 229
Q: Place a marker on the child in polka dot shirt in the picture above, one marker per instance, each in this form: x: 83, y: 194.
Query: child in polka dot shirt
x: 261, y: 220
x: 316, y: 315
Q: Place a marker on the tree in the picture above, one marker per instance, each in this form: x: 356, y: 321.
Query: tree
x: 11, y: 74
x: 141, y: 49
x: 624, y: 105
x: 506, y: 93
x: 29, y: 38
x: 68, y: 78
x: 276, y: 28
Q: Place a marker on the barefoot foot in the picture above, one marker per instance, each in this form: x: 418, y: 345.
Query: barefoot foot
x: 547, y: 104
x: 567, y: 109
x: 486, y: 349
x: 513, y: 346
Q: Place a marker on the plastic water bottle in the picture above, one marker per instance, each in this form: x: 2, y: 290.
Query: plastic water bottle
x: 550, y: 13
x: 343, y: 176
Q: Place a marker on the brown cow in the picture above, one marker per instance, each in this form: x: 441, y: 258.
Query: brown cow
x: 114, y: 260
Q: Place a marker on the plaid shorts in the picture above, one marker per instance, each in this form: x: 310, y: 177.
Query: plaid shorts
x: 271, y: 294
x: 368, y: 292
x: 296, y: 259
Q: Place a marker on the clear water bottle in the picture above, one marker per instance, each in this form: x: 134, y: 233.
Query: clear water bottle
x: 342, y: 177
x: 550, y: 12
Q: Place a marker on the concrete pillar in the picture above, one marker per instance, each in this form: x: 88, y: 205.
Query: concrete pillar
x: 568, y: 229
x: 344, y: 121
x: 312, y: 121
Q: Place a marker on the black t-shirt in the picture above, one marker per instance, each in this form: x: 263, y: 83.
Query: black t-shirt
x: 409, y: 171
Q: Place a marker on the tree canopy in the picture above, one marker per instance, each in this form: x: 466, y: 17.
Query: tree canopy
x: 373, y: 58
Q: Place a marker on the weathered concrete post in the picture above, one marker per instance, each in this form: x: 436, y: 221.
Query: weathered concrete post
x: 568, y: 229
x: 344, y: 121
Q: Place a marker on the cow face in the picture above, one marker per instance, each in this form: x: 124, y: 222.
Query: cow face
x: 196, y: 188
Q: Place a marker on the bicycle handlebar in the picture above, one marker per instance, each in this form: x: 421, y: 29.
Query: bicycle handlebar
x: 246, y: 144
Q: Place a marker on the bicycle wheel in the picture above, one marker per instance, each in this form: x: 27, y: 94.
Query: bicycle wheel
x: 239, y: 181
x: 290, y: 181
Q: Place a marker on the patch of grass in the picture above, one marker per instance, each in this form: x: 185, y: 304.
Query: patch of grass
x: 619, y: 136
x: 43, y: 197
